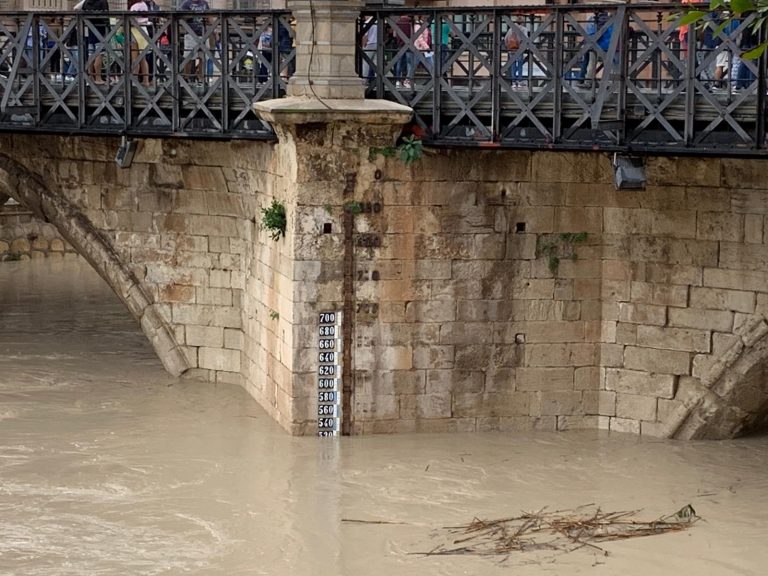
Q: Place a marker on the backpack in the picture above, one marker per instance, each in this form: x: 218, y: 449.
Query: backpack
x: 512, y: 38
x: 265, y: 40
x: 604, y: 41
x: 423, y: 41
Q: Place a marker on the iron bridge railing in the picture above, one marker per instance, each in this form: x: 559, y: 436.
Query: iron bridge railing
x: 149, y: 74
x: 614, y: 77
x: 611, y: 77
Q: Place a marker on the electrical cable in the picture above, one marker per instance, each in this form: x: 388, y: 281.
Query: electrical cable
x: 312, y: 54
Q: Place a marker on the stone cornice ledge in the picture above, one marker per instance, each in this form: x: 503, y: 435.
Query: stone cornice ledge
x: 301, y: 110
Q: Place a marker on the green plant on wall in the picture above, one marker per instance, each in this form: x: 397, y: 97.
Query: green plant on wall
x: 273, y: 220
x: 409, y: 150
x: 353, y: 207
x: 386, y: 151
x: 560, y: 246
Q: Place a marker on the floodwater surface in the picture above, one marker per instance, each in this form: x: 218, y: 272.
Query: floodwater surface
x: 108, y: 466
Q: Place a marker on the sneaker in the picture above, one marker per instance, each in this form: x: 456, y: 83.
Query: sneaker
x: 398, y: 84
x: 407, y: 84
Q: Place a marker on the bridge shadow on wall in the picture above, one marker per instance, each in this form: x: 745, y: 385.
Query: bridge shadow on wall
x: 50, y: 205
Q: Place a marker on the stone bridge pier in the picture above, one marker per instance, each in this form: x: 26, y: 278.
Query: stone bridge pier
x: 484, y: 289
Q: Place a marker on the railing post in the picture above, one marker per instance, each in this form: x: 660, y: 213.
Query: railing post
x: 496, y: 72
x: 82, y: 60
x: 557, y: 77
x: 380, y: 60
x: 128, y: 74
x: 35, y: 65
x: 326, y: 42
x: 626, y: 32
x: 225, y: 72
x: 690, y: 75
x: 760, y: 116
x: 275, y: 63
x: 176, y: 72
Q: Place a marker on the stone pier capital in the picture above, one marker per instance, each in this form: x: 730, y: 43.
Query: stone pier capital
x: 297, y: 110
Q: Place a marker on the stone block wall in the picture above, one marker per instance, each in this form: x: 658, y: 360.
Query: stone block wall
x: 463, y: 322
x: 684, y: 281
x: 23, y: 236
x: 171, y: 233
x: 268, y: 302
x: 484, y: 290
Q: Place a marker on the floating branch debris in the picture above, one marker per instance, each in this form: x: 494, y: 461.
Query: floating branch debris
x: 358, y: 521
x: 561, y: 531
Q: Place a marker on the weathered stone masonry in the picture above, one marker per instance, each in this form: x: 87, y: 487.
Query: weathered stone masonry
x: 658, y: 327
x: 22, y: 236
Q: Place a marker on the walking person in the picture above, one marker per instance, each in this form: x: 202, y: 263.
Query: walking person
x: 193, y: 48
x: 423, y: 43
x: 370, y: 46
x: 139, y: 34
x: 286, y: 64
x: 605, y: 32
x: 404, y: 64
x: 265, y: 48
x: 95, y: 38
x: 749, y: 40
x: 512, y: 40
x: 442, y: 37
x: 73, y: 50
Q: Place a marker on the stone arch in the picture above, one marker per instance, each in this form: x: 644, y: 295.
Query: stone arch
x: 52, y: 206
x: 730, y: 398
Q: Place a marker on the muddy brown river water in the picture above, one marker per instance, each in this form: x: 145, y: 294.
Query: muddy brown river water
x: 108, y: 466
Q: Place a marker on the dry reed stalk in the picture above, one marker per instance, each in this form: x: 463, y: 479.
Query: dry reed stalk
x: 562, y: 530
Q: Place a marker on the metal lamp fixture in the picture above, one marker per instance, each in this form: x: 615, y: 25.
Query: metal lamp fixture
x: 125, y: 152
x: 628, y: 172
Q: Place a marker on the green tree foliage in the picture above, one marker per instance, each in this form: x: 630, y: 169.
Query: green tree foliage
x: 730, y: 10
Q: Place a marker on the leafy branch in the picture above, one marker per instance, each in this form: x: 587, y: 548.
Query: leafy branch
x: 728, y: 13
x: 273, y: 220
x: 409, y: 150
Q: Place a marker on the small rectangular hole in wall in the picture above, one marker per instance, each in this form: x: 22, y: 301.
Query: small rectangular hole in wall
x: 520, y: 227
x: 327, y: 228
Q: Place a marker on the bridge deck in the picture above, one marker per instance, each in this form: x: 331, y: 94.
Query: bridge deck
x: 629, y: 83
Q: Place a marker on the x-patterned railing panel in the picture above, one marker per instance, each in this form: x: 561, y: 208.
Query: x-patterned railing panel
x: 613, y: 77
x: 526, y: 77
x: 153, y: 74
